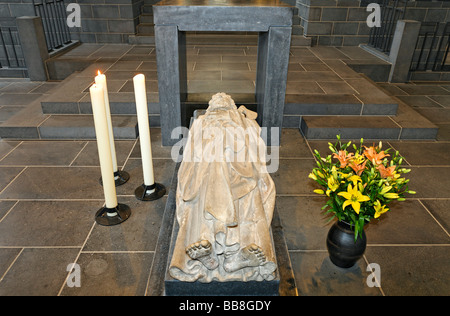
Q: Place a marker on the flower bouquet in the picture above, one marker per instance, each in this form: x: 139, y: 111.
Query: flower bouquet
x: 359, y: 184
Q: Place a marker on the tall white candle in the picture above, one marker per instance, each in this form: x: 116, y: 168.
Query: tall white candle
x: 103, y: 145
x: 144, y: 129
x: 100, y: 80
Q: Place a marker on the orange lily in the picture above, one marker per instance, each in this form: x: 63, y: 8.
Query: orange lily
x: 358, y: 168
x: 386, y: 172
x: 343, y: 157
x: 372, y: 154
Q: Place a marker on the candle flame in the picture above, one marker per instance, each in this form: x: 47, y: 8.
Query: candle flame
x: 98, y: 72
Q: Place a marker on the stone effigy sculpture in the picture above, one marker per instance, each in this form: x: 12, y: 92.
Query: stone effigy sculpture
x: 225, y: 199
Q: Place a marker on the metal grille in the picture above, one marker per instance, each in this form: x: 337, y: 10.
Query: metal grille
x: 53, y: 14
x: 8, y: 47
x: 432, y: 48
x: 391, y: 11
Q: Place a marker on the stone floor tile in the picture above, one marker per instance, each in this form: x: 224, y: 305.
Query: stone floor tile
x: 52, y: 183
x: 316, y: 275
x: 150, y: 85
x: 296, y: 87
x: 7, y: 174
x: 292, y: 177
x: 18, y: 99
x: 238, y: 74
x: 423, y: 153
x: 89, y: 155
x: 301, y: 51
x: 391, y: 89
x: 439, y: 209
x: 38, y: 272
x: 6, y: 147
x: 20, y: 87
x: 138, y: 233
x: 236, y: 86
x: 327, y: 52
x: 41, y: 153
x: 313, y: 76
x: 407, y: 222
x: 5, y: 207
x: 201, y: 86
x: 304, y: 223
x: 443, y: 100
x: 430, y: 181
x: 8, y: 111
x: 341, y: 68
x: 410, y: 271
x: 293, y: 145
x: 147, y: 65
x: 204, y: 75
x: 315, y: 67
x: 163, y: 172
x: 48, y: 223
x: 291, y: 67
x: 204, y: 66
x: 45, y: 88
x: 336, y: 87
x: 126, y: 65
x: 413, y: 89
x: 418, y: 101
x: 221, y: 51
x: 141, y: 50
x: 112, y: 274
x: 435, y: 115
x: 158, y: 151
x: 7, y: 257
x: 444, y: 132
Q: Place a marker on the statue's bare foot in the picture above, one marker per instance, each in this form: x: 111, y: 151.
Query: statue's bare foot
x: 250, y: 256
x: 202, y: 251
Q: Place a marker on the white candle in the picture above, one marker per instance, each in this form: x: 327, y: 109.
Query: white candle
x: 144, y: 129
x: 100, y: 80
x: 103, y: 145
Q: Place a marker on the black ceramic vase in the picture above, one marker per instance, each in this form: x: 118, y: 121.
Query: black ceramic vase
x: 342, y: 248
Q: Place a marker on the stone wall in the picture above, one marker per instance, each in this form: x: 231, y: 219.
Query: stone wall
x: 102, y: 21
x: 107, y: 21
x: 343, y: 22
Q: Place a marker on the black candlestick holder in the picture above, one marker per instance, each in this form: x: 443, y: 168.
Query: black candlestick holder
x: 144, y: 193
x: 120, y: 177
x: 113, y: 216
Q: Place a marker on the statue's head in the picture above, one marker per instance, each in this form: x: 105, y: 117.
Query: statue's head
x: 221, y: 101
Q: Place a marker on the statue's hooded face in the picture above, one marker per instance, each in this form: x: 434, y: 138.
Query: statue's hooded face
x: 221, y: 100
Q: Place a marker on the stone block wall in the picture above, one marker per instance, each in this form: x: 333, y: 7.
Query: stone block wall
x: 107, y: 21
x: 334, y: 22
x: 343, y: 22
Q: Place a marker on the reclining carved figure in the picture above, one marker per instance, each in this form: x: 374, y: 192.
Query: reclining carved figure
x: 225, y: 199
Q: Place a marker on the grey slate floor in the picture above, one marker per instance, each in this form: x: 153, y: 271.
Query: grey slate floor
x: 49, y: 193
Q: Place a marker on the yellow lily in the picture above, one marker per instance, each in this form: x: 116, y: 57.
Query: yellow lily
x: 354, y: 178
x: 318, y: 191
x: 354, y: 197
x: 379, y: 209
x: 391, y: 195
x: 385, y: 189
x: 333, y: 184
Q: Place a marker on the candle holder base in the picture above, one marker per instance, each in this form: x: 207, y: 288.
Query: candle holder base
x: 142, y: 192
x: 113, y: 216
x: 120, y: 177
